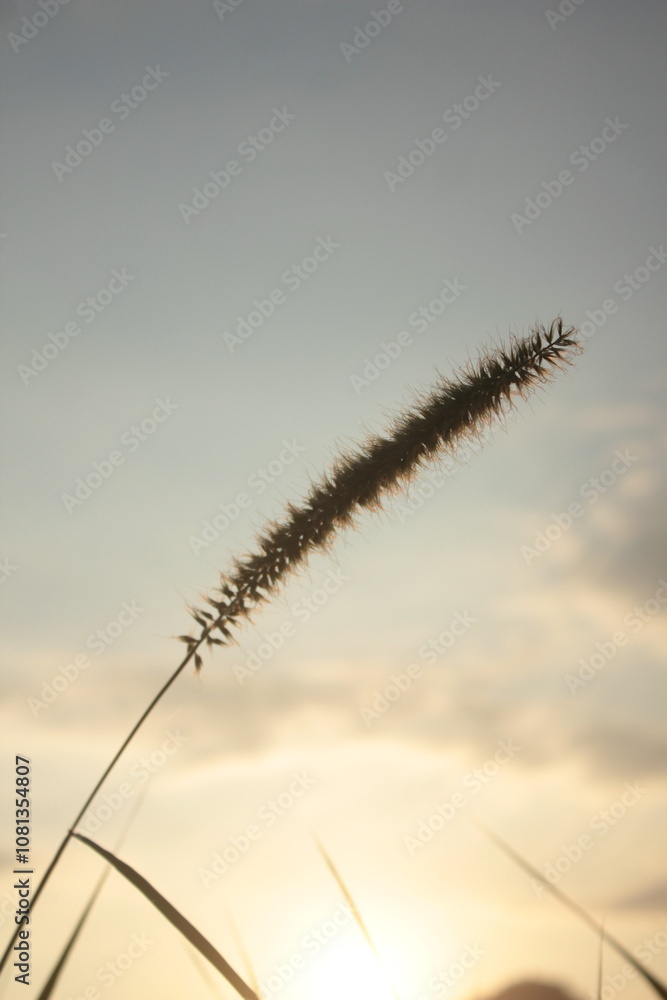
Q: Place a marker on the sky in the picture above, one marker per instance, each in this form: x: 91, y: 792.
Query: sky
x: 236, y: 238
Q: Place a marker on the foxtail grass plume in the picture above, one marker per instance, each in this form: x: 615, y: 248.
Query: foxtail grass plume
x: 454, y: 410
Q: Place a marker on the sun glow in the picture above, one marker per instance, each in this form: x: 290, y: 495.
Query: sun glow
x: 352, y: 971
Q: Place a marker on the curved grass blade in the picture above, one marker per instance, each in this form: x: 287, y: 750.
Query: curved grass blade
x: 245, y: 955
x: 176, y: 919
x: 207, y: 976
x: 203, y: 968
x: 657, y: 985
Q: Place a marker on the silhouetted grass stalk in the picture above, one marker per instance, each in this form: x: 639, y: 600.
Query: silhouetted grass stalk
x: 454, y: 410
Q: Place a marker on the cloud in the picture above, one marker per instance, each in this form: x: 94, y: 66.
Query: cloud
x: 504, y: 678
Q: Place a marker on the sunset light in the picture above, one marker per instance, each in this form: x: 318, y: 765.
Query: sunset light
x: 351, y: 970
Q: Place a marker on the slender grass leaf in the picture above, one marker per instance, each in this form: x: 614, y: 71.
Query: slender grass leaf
x: 245, y: 955
x: 176, y: 919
